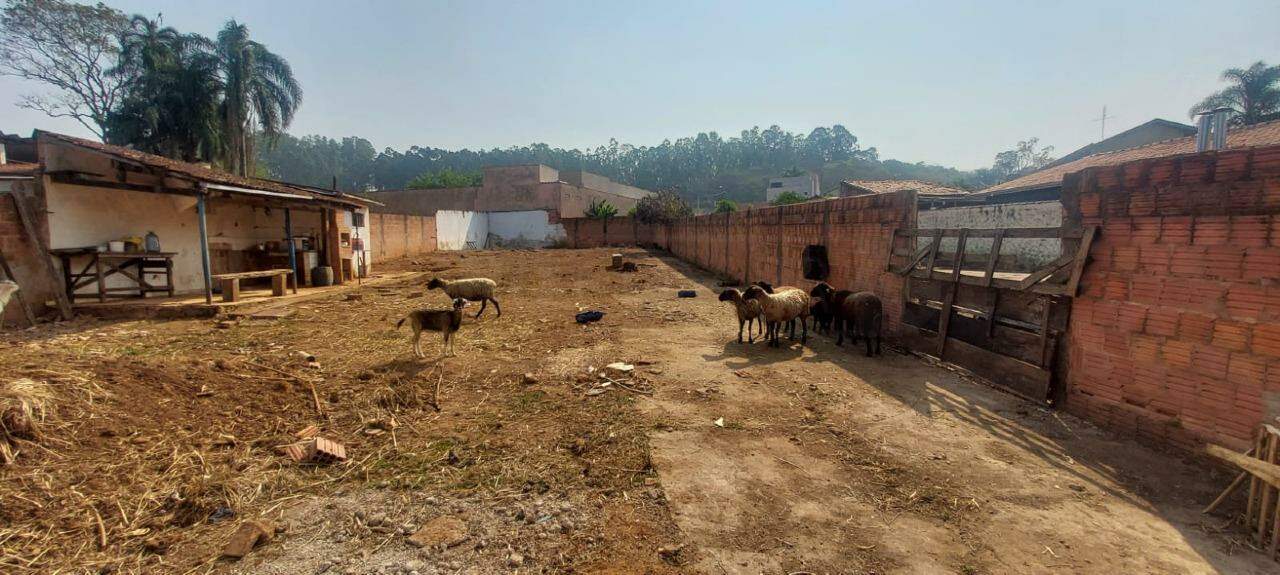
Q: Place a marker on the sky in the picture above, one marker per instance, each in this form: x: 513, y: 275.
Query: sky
x: 949, y: 83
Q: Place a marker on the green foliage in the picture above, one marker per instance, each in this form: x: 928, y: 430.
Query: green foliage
x: 786, y: 198
x: 601, y: 210
x: 792, y: 172
x: 316, y: 161
x: 1253, y: 95
x: 663, y: 207
x: 724, y: 206
x: 259, y: 93
x: 446, y: 178
x: 68, y: 47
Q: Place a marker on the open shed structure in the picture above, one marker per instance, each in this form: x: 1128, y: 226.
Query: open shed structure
x: 86, y: 197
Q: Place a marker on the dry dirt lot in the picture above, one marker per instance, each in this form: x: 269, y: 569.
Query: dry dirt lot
x: 161, y: 437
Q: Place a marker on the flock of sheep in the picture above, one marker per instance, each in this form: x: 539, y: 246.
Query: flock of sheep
x: 842, y: 310
x: 448, y: 321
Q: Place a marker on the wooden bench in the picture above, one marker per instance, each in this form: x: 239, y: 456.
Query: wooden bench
x: 231, y: 282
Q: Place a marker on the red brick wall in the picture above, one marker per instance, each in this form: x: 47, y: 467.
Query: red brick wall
x: 1175, y: 336
x: 399, y: 235
x: 744, y: 244
x: 32, y: 277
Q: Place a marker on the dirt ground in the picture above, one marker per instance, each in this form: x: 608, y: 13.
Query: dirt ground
x: 160, y: 437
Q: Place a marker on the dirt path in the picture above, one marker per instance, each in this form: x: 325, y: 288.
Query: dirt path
x: 829, y: 461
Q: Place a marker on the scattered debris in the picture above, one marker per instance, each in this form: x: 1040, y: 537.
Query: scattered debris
x: 353, y: 297
x: 308, y: 432
x: 629, y: 267
x: 719, y: 422
x: 414, y: 295
x: 729, y: 283
x: 528, y: 379
x: 444, y: 531
x: 317, y: 450
x: 589, y: 316
x: 251, y: 534
x: 23, y: 404
x: 744, y: 374
x: 686, y: 293
x: 619, y: 368
x: 671, y: 554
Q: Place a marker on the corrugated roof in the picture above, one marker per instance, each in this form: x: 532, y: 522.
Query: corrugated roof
x: 1264, y: 134
x: 890, y: 186
x: 202, y: 173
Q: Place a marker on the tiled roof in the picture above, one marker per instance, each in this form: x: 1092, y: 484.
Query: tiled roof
x: 201, y: 173
x: 1264, y: 134
x: 919, y: 186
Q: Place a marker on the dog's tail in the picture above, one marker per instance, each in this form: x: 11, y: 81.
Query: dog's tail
x: 401, y: 322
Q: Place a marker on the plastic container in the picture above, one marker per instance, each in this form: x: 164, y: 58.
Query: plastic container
x: 116, y: 246
x: 152, y: 242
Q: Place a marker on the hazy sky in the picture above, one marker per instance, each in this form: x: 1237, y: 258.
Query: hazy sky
x: 943, y: 82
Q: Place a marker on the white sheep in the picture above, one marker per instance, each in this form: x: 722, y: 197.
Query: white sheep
x: 783, y: 305
x: 471, y: 289
x: 748, y: 312
x: 7, y: 289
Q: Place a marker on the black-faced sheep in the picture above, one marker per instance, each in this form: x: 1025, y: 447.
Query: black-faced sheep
x: 827, y: 305
x: 784, y: 305
x: 471, y: 289
x: 748, y: 312
x: 864, y: 313
x: 446, y: 322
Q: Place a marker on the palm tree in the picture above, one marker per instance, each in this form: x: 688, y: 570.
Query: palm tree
x: 258, y: 91
x: 1253, y: 97
x: 171, y: 101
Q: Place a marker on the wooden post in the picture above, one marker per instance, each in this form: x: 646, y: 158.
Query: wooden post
x: 204, y: 245
x: 32, y: 228
x: 293, y: 250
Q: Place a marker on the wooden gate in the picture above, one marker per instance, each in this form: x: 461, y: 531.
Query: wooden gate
x: 1003, y: 326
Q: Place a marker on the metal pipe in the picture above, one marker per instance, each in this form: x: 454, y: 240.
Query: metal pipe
x: 204, y: 249
x: 293, y: 250
x: 1220, y: 117
x: 1202, y: 131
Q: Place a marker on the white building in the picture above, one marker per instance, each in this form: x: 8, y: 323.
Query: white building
x: 807, y: 185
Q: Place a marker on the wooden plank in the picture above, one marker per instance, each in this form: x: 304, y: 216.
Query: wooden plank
x: 1059, y: 232
x: 958, y: 264
x: 254, y: 274
x: 1082, y: 256
x: 231, y: 289
x: 915, y: 260
x: 1017, y: 376
x: 1265, y: 512
x: 933, y: 253
x: 1044, y: 272
x: 1268, y: 473
x: 893, y: 240
x: 1254, y: 482
x: 29, y: 225
x: 994, y: 256
x: 1044, y: 337
x: 944, y: 321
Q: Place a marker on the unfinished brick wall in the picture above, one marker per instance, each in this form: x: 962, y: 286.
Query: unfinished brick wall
x: 31, y: 275
x: 1175, y: 336
x: 399, y: 235
x: 766, y: 244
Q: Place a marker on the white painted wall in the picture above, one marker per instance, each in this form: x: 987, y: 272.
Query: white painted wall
x: 458, y: 230
x: 1030, y: 252
x: 82, y: 216
x: 807, y: 185
x: 525, y: 229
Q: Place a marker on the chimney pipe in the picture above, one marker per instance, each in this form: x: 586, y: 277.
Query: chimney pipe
x: 1220, y: 116
x: 1203, y: 123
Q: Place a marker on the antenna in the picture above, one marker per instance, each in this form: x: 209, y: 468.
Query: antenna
x: 1103, y: 119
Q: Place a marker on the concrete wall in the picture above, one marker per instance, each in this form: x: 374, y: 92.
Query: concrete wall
x: 399, y: 235
x: 525, y: 229
x: 458, y: 230
x: 1028, y: 253
x: 1175, y: 337
x: 510, y: 189
x: 807, y: 185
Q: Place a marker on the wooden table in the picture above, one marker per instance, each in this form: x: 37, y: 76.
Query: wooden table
x: 133, y: 265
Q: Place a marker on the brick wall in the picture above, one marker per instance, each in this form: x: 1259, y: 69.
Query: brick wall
x: 399, y: 235
x: 747, y: 244
x: 1175, y: 336
x: 32, y: 277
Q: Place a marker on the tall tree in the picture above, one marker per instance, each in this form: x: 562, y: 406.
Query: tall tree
x: 69, y: 47
x: 1253, y: 96
x: 259, y: 93
x: 1025, y: 157
x: 171, y: 105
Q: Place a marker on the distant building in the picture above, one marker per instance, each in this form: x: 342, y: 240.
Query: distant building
x: 807, y: 185
x: 865, y: 187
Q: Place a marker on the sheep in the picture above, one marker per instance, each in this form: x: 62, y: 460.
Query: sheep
x: 784, y: 305
x: 768, y: 288
x: 827, y: 305
x: 446, y: 322
x: 471, y: 289
x: 748, y: 312
x: 864, y: 312
x: 7, y: 289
